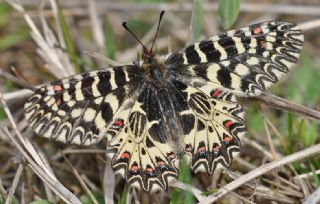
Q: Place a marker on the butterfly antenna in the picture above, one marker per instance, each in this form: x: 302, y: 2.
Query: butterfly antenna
x: 124, y: 24
x: 155, y: 37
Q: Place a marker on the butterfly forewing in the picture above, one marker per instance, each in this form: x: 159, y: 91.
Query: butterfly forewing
x: 246, y: 61
x: 77, y: 109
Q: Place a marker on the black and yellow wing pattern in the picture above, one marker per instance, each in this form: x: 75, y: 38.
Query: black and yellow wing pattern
x: 191, y: 111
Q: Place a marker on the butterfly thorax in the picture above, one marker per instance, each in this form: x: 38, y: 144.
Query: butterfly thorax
x: 156, y: 73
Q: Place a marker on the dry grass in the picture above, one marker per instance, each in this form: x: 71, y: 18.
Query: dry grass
x: 271, y: 168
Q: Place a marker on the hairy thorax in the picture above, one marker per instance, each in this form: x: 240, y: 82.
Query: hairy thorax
x: 156, y: 73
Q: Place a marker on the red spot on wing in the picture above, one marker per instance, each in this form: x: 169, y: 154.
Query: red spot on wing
x: 125, y: 155
x: 134, y: 168
x: 201, y: 149
x: 257, y: 30
x: 227, y: 139
x: 228, y: 123
x: 216, y: 149
x: 57, y: 87
x: 161, y: 163
x: 216, y: 92
x: 150, y: 170
x: 118, y: 123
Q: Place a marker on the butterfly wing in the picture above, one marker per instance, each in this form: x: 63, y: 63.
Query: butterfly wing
x: 206, y: 75
x: 138, y: 147
x: 119, y: 104
x: 244, y: 61
x: 79, y: 108
x: 212, y: 123
x: 114, y: 103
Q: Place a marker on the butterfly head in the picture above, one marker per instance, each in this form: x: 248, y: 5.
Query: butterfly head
x: 148, y: 56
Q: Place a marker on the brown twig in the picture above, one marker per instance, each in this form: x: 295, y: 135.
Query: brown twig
x: 314, y: 198
x: 281, y: 138
x: 3, y: 191
x: 14, y: 184
x: 190, y: 37
x: 309, y: 25
x: 15, y: 80
x: 108, y: 183
x: 35, y: 162
x: 271, y: 145
x: 260, y: 171
x: 103, y: 58
x: 103, y: 7
x: 96, y: 26
x: 283, y: 104
x: 195, y: 191
x: 82, y: 183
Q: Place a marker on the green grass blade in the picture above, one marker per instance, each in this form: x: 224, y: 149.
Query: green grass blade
x: 85, y: 199
x: 68, y: 40
x: 185, y: 177
x: 197, y: 20
x: 123, y: 198
x: 40, y: 202
x: 8, y: 41
x: 110, y: 43
x: 4, y: 14
x: 228, y: 11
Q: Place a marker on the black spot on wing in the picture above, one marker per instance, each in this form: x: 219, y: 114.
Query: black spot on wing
x: 187, y: 123
x: 86, y: 85
x: 104, y: 86
x: 200, y: 126
x: 120, y: 93
x: 149, y: 143
x: 192, y: 55
x: 106, y: 112
x: 246, y: 40
x: 224, y: 77
x: 120, y: 77
x: 229, y: 46
x: 208, y: 49
x: 201, y: 70
x: 158, y: 133
x: 175, y: 59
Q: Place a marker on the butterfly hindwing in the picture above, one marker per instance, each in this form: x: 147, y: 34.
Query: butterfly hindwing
x: 212, y: 122
x: 77, y: 109
x: 139, y: 150
x: 246, y: 61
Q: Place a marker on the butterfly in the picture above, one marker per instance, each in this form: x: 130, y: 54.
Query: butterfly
x: 158, y: 111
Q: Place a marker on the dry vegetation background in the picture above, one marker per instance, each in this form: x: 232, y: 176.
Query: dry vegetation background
x: 41, y: 41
